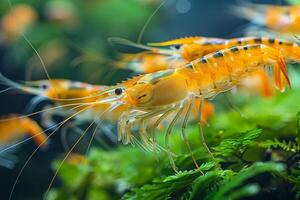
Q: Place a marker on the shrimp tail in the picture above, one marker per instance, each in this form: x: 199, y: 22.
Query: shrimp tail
x: 14, y: 85
x: 126, y: 46
x: 249, y: 11
x: 36, y: 132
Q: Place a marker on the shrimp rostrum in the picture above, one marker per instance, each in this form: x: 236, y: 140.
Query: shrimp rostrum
x: 173, y: 91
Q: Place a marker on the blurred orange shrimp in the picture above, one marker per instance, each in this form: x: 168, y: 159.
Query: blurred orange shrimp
x: 17, y: 20
x: 14, y: 127
x: 70, y: 97
x: 284, y: 19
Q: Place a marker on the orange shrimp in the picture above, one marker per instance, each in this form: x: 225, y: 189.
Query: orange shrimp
x: 17, y: 20
x: 173, y: 90
x: 14, y: 127
x: 192, y: 50
x: 284, y: 19
x: 197, y: 48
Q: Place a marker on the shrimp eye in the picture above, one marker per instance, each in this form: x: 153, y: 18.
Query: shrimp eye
x: 44, y: 86
x: 118, y: 91
x: 177, y: 46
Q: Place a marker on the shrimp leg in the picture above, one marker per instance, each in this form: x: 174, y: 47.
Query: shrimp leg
x: 202, y: 134
x: 158, y: 121
x: 183, y: 127
x: 170, y: 127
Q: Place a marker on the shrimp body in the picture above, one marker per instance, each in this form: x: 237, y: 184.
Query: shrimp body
x: 198, y: 48
x: 14, y: 127
x: 158, y: 93
x: 285, y: 19
x: 227, y: 67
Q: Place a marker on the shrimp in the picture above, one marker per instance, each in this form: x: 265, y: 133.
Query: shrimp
x: 17, y: 20
x: 284, y: 19
x: 13, y: 127
x: 12, y: 130
x: 64, y: 93
x: 171, y: 91
x: 147, y: 63
x: 197, y: 48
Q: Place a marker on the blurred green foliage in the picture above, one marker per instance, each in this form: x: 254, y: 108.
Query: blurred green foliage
x: 71, y: 37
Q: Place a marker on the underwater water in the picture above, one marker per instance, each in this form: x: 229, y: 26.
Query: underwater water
x: 253, y: 140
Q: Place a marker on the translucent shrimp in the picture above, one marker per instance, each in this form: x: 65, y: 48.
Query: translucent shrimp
x: 174, y: 90
x: 284, y: 19
x: 65, y: 93
x: 148, y: 63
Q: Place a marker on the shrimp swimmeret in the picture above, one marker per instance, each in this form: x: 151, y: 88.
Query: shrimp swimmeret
x: 174, y: 90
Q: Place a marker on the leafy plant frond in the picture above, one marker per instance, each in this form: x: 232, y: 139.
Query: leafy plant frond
x: 285, y: 145
x: 229, y: 147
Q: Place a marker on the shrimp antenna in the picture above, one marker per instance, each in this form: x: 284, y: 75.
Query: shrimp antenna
x: 139, y: 40
x: 108, y: 110
x: 297, y: 37
x: 126, y: 46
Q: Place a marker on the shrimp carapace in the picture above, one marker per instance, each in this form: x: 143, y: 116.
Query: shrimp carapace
x: 14, y: 127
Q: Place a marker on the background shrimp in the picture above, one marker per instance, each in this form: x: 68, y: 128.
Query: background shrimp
x: 14, y: 128
x: 280, y: 18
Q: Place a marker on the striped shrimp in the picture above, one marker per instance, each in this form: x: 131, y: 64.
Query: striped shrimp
x: 283, y: 19
x: 193, y: 49
x: 174, y: 90
x: 197, y: 48
x: 12, y: 130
